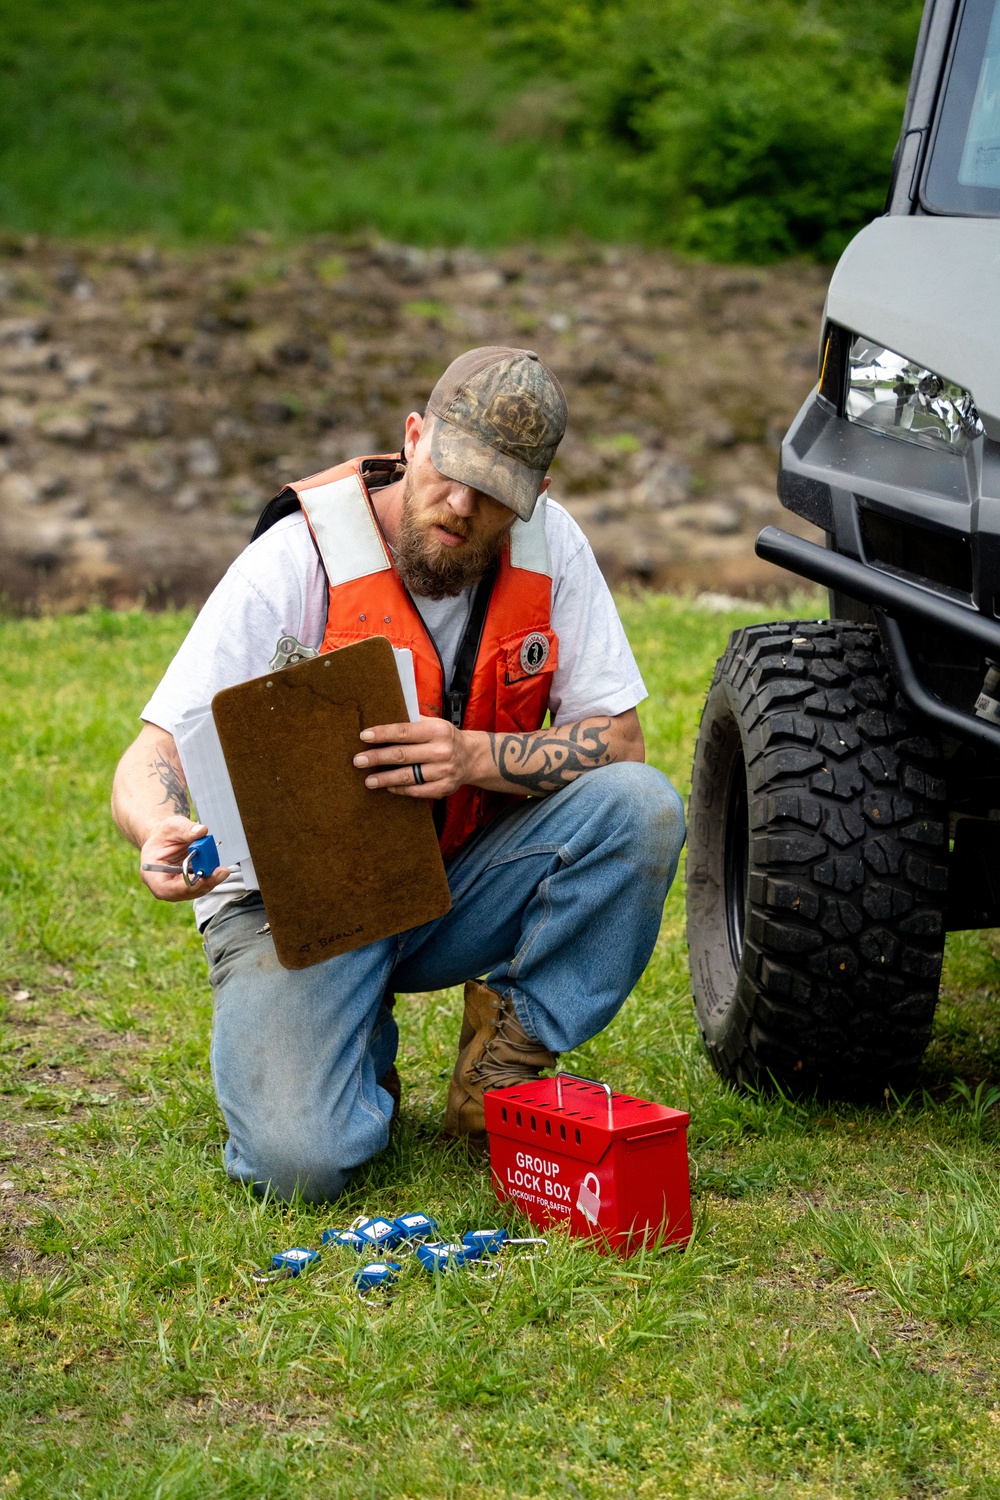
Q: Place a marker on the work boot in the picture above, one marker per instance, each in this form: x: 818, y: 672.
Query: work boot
x: 494, y: 1052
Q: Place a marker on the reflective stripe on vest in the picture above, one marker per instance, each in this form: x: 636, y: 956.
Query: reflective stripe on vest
x: 347, y: 535
x: 518, y: 650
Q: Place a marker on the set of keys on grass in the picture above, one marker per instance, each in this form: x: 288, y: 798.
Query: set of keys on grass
x: 410, y: 1234
x: 201, y: 860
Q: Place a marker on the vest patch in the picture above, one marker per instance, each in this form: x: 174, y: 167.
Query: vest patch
x: 534, y: 652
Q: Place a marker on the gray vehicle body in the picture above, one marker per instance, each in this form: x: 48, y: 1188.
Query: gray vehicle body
x: 913, y: 535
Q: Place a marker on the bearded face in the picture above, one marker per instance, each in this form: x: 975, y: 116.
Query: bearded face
x: 431, y: 565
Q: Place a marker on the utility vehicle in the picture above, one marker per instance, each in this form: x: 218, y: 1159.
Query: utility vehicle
x: 845, y: 803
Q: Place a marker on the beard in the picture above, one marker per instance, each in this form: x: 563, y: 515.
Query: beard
x: 429, y: 568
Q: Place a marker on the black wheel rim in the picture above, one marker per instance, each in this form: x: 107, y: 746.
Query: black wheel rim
x: 737, y: 859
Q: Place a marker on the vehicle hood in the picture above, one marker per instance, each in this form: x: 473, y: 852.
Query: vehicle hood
x: 929, y: 289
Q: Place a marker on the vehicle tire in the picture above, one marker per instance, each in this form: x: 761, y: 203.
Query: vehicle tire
x: 817, y: 865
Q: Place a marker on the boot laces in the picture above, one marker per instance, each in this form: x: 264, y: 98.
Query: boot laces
x: 496, y: 1072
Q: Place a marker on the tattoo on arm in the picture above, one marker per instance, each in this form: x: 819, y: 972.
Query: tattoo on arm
x: 174, y: 790
x: 551, y: 758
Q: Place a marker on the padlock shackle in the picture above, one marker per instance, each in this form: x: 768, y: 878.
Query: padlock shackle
x: 579, y: 1078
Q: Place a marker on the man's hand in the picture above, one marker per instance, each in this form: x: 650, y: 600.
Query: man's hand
x: 167, y: 844
x: 537, y: 763
x: 447, y: 757
x: 150, y: 806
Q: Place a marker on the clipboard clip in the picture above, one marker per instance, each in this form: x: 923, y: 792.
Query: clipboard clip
x: 288, y: 653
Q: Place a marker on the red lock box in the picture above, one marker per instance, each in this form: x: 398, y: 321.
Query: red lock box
x: 568, y: 1150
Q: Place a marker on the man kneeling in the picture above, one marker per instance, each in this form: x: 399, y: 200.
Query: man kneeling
x: 560, y: 844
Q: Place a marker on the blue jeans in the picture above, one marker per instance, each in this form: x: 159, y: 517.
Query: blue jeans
x: 557, y: 903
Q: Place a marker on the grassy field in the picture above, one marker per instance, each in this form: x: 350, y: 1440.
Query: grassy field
x: 830, y: 1332
x: 146, y: 117
x: 750, y: 131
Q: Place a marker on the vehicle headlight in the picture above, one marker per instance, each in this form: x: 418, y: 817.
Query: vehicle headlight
x: 890, y: 394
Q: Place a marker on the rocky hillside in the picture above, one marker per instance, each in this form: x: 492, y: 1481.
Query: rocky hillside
x: 151, y: 402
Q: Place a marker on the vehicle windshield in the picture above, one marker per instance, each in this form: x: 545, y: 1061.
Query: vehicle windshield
x: 963, y: 173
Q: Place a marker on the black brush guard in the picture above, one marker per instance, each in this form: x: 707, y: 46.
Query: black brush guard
x: 891, y: 597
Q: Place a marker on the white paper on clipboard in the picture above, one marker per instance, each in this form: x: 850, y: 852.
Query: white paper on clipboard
x: 211, y: 790
x: 208, y: 780
x: 407, y: 680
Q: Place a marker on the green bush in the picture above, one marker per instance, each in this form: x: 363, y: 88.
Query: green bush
x: 747, y: 130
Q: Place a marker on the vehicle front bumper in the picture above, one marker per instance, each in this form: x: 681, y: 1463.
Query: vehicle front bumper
x: 912, y: 533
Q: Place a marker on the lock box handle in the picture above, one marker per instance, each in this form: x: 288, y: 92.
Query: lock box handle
x: 579, y: 1078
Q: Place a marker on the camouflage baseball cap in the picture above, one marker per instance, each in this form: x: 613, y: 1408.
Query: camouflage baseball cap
x: 500, y: 416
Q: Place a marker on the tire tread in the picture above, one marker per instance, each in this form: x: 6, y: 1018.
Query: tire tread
x: 844, y: 934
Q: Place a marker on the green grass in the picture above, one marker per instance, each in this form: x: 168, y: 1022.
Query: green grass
x: 831, y: 1332
x: 147, y: 116
x: 753, y: 130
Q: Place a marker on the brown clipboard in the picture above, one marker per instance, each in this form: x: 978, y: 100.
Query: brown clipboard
x: 339, y: 866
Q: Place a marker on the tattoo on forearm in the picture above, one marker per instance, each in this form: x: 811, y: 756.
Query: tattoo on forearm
x: 174, y: 790
x: 550, y: 759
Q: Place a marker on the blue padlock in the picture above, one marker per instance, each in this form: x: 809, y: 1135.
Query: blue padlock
x: 486, y: 1241
x: 380, y: 1273
x: 200, y: 861
x: 202, y: 858
x: 492, y: 1241
x: 346, y: 1238
x: 416, y: 1226
x: 380, y: 1233
x: 294, y: 1262
x: 445, y: 1255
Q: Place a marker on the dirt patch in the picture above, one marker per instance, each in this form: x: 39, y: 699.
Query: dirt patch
x: 151, y: 403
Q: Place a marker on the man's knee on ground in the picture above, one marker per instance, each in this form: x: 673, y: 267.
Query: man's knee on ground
x: 316, y: 1170
x: 315, y: 1181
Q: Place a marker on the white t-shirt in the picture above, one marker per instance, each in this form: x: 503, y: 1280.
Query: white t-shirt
x: 277, y: 587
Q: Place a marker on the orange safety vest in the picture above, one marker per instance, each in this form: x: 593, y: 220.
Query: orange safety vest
x: 518, y: 649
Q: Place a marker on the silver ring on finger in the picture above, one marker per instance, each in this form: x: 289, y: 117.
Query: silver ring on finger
x: 418, y: 776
